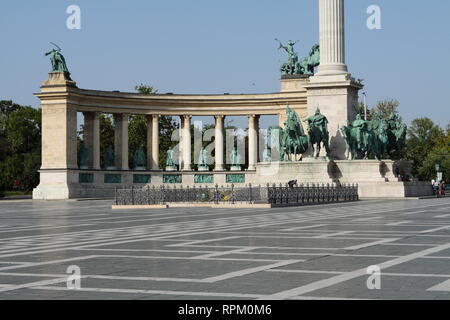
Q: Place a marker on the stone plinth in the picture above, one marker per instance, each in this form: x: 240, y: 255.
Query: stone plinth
x: 294, y: 83
x: 376, y: 179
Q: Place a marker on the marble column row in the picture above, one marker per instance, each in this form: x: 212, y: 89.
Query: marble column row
x: 92, y: 141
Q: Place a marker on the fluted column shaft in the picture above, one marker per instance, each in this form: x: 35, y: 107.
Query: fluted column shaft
x: 219, y: 142
x: 155, y: 143
x: 332, y: 37
x: 252, y: 142
x: 187, y: 143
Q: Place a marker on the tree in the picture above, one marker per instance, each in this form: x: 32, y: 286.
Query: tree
x: 20, y: 146
x: 423, y: 137
x: 23, y: 130
x: 385, y: 108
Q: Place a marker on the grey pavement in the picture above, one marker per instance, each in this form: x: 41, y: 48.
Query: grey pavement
x: 319, y: 252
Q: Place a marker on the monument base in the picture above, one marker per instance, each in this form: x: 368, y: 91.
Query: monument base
x: 376, y: 179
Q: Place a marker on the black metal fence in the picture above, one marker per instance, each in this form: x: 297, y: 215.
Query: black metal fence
x: 275, y: 195
x: 312, y: 194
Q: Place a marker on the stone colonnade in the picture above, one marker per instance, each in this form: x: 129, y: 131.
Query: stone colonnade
x: 92, y: 141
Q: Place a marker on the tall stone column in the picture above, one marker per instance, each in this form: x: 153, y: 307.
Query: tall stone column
x: 92, y: 138
x: 219, y: 142
x: 332, y: 88
x: 155, y: 142
x: 149, y: 120
x: 332, y: 37
x: 96, y: 142
x: 252, y: 142
x: 121, y: 141
x: 187, y: 143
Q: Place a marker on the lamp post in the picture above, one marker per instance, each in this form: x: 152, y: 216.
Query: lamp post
x: 365, y: 105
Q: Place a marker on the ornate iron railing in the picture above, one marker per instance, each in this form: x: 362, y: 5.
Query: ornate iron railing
x: 275, y: 195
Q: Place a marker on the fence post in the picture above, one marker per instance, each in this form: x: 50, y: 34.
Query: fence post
x: 115, y: 195
x: 233, y: 200
x: 216, y: 194
x: 250, y: 193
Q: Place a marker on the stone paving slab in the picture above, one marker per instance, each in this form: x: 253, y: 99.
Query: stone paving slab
x: 317, y: 252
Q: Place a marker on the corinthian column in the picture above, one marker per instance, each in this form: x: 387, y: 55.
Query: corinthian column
x: 187, y: 143
x: 332, y: 38
x: 155, y: 142
x: 252, y: 142
x: 219, y: 141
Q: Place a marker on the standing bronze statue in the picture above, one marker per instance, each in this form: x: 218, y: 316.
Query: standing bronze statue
x: 57, y: 60
x: 318, y: 133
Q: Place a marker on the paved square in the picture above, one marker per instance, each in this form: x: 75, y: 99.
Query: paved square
x: 320, y: 252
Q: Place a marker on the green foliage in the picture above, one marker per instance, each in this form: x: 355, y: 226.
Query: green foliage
x: 426, y: 141
x: 20, y: 146
x: 106, y: 136
x: 23, y: 130
x: 383, y: 109
x: 145, y: 89
x: 137, y: 131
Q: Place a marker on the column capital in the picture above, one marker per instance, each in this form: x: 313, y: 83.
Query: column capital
x: 219, y: 116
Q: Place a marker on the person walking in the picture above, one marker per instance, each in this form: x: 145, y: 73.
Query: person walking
x: 442, y: 188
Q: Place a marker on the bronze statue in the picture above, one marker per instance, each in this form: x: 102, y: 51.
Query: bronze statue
x: 318, y: 132
x: 294, y: 65
x: 57, y: 60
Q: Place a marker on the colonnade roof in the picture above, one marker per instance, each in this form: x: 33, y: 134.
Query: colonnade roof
x: 172, y: 104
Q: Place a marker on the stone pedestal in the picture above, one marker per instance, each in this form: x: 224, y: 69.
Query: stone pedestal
x: 337, y: 98
x: 376, y: 179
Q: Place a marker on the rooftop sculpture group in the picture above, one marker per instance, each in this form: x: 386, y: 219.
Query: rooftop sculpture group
x: 296, y: 66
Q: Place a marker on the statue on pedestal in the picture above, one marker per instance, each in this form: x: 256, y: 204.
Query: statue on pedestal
x: 295, y: 66
x: 293, y: 141
x: 139, y: 159
x: 202, y: 162
x: 83, y: 158
x: 170, y: 165
x: 318, y: 132
x: 267, y: 155
x: 235, y: 160
x: 109, y: 159
x: 57, y: 60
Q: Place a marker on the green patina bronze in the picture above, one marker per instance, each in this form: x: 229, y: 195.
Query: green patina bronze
x: 235, y: 178
x: 296, y: 66
x: 318, y: 132
x: 83, y: 157
x: 202, y: 161
x: 235, y: 160
x: 57, y: 60
x: 172, y: 178
x: 204, y: 178
x: 293, y: 141
x: 86, y: 178
x: 379, y: 138
x: 113, y: 178
x: 142, y: 178
x: 139, y: 158
x: 169, y: 159
x: 109, y: 158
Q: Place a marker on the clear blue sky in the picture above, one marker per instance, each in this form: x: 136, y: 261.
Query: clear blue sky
x: 210, y: 46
